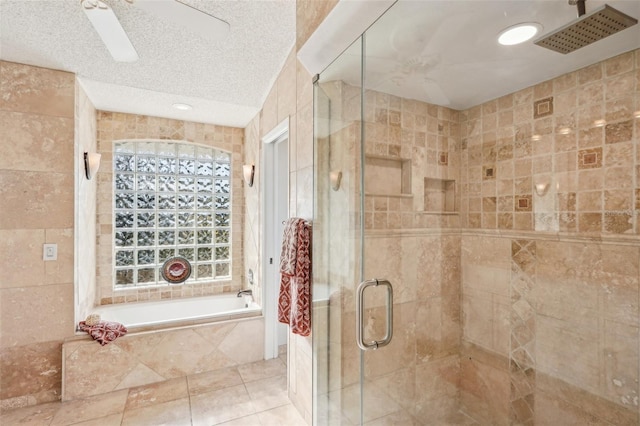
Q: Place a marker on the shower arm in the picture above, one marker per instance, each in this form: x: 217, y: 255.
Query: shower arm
x: 582, y: 9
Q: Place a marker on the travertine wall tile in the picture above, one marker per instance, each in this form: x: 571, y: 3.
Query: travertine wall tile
x: 36, y: 142
x: 287, y: 89
x: 37, y: 180
x: 48, y: 309
x: 269, y: 112
x: 575, y: 122
x: 309, y: 15
x: 37, y: 200
x: 22, y: 248
x: 36, y: 90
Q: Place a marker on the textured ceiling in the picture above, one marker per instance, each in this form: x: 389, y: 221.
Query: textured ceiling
x: 226, y: 81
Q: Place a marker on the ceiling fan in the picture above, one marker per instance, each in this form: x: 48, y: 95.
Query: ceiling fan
x: 117, y: 42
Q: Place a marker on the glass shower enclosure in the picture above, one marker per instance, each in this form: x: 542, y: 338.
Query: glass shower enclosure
x: 476, y: 260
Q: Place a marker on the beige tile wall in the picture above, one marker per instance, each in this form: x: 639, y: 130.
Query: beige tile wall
x: 587, y: 320
x: 418, y: 372
x: 558, y: 156
x: 417, y: 375
x: 501, y: 152
x: 119, y: 126
x: 291, y: 96
x: 425, y: 138
x: 85, y: 195
x: 513, y: 352
x: 309, y: 14
x: 37, y: 186
x: 546, y: 311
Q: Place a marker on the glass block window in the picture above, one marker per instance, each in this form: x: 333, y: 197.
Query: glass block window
x: 170, y: 199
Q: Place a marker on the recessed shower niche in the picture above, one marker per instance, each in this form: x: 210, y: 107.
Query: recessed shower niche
x: 397, y: 173
x: 439, y: 195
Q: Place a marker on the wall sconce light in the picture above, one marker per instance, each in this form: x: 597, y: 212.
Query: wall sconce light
x: 248, y: 172
x: 91, y: 164
x: 335, y: 177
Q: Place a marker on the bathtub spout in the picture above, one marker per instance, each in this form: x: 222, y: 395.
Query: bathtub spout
x: 247, y: 292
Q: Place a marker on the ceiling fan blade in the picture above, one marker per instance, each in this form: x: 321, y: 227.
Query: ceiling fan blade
x: 111, y: 32
x: 189, y: 17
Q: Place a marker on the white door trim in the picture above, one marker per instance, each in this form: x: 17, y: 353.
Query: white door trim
x: 270, y: 234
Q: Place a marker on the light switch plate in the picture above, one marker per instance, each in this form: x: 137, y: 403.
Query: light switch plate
x: 49, y: 252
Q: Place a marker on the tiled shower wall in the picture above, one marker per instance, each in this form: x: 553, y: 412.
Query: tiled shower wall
x: 550, y: 257
x: 417, y: 374
x: 545, y: 204
x: 426, y: 139
x: 558, y: 156
x: 114, y: 126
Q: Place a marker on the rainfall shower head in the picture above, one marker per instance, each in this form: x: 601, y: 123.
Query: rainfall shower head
x: 587, y: 29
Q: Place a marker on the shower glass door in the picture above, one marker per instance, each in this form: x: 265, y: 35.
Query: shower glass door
x: 338, y: 243
x: 386, y: 270
x: 497, y: 241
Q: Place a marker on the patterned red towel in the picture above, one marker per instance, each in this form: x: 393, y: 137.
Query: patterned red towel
x: 104, y: 331
x: 294, y: 300
x: 289, y: 245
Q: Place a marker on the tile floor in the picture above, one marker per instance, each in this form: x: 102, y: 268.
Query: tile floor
x: 247, y: 395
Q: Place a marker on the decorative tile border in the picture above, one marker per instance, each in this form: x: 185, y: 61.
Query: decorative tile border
x: 522, y: 363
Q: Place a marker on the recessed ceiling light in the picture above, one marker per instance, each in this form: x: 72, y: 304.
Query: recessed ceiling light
x: 182, y: 107
x: 600, y: 123
x: 519, y: 33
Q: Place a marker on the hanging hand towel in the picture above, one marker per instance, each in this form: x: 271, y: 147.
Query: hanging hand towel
x: 294, y: 301
x: 289, y: 242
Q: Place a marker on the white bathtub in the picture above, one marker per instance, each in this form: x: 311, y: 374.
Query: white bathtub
x: 178, y: 311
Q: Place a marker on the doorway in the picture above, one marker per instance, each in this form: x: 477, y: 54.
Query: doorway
x: 275, y: 212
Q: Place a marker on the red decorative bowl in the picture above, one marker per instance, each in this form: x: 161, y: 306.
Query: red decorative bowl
x: 176, y: 270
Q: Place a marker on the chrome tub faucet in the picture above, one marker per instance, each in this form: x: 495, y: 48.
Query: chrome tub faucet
x: 247, y: 292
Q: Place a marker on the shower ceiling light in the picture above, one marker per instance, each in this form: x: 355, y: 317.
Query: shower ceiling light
x: 182, y: 107
x: 519, y: 33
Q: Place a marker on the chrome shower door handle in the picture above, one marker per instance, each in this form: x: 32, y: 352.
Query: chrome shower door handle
x: 360, y: 315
